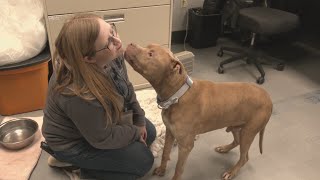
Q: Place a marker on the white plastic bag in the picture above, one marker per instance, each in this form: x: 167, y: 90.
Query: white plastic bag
x: 22, y: 30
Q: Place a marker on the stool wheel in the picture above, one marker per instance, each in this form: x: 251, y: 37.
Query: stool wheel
x: 220, y: 70
x: 260, y: 80
x: 220, y: 53
x: 280, y: 67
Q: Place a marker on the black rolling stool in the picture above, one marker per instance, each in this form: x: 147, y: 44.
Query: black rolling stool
x: 260, y: 21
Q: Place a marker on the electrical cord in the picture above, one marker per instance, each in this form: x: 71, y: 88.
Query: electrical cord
x: 187, y: 26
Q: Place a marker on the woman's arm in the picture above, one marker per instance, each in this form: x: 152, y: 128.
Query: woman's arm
x: 89, y: 118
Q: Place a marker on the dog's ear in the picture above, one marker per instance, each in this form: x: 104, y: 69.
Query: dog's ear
x: 176, y: 65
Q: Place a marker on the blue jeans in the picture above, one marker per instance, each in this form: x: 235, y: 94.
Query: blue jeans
x: 128, y: 163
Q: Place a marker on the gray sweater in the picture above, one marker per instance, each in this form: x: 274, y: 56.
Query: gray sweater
x: 69, y: 120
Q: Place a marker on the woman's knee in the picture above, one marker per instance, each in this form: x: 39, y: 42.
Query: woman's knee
x: 147, y: 165
x: 145, y: 160
x: 152, y: 132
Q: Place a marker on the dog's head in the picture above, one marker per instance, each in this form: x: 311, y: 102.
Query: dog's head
x: 153, y: 62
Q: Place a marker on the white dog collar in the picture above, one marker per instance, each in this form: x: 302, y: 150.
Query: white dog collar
x: 175, y: 97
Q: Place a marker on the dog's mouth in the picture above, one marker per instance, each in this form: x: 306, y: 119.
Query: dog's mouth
x: 130, y: 58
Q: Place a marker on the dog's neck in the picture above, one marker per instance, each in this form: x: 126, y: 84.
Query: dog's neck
x: 169, y: 85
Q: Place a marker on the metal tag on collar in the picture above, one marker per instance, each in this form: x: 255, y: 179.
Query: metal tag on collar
x: 164, y: 106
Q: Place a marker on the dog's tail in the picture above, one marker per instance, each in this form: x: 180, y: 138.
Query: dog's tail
x: 261, y: 139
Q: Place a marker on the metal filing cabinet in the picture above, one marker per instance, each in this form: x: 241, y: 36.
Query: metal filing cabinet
x: 138, y: 21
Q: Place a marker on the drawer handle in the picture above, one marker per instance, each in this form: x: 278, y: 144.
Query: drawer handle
x: 114, y: 18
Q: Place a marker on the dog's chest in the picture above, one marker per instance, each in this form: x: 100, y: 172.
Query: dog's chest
x: 168, y: 123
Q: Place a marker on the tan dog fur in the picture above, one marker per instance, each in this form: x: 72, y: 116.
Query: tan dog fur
x: 244, y: 108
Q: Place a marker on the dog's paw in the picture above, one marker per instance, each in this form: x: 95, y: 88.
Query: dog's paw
x: 176, y: 177
x: 222, y: 149
x: 159, y: 171
x: 227, y: 175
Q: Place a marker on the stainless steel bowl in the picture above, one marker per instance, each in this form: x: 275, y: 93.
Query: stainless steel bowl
x: 18, y: 133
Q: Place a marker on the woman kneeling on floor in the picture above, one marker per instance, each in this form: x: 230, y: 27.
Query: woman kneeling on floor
x: 92, y: 118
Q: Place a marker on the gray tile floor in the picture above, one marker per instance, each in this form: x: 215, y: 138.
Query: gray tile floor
x: 292, y: 138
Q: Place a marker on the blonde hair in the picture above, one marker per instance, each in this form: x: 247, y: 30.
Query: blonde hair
x: 76, y: 77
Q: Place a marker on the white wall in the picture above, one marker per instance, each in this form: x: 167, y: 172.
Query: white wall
x: 179, y: 18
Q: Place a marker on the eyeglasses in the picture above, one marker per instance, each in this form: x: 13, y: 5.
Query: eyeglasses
x: 111, y: 39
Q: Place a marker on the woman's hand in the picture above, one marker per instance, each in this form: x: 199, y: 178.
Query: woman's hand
x: 143, y: 134
x: 142, y: 141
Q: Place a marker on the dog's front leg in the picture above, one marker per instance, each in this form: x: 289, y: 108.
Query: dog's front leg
x: 169, y: 139
x: 185, y: 145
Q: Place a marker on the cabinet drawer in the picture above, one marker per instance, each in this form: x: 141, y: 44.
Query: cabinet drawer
x: 143, y: 26
x: 76, y: 6
x: 139, y: 25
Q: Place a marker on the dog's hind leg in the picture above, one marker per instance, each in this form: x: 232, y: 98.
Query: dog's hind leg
x: 236, y: 135
x: 169, y: 139
x: 246, y: 138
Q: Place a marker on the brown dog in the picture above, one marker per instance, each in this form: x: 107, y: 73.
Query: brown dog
x: 243, y: 108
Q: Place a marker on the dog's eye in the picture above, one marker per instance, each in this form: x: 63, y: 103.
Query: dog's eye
x: 150, y: 54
